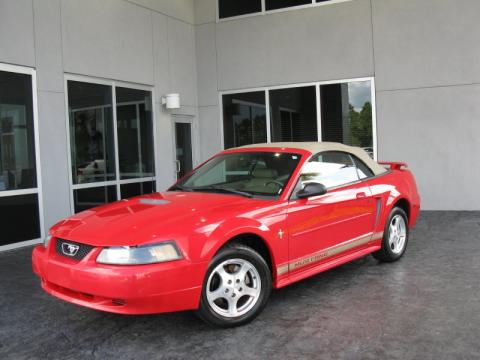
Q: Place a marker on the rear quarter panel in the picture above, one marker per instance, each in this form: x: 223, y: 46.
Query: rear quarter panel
x: 389, y: 189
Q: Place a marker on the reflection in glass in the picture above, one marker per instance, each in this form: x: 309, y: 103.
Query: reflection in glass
x: 330, y: 168
x: 136, y: 189
x: 347, y: 113
x: 229, y: 8
x: 135, y: 133
x: 19, y: 218
x: 293, y: 114
x: 244, y: 119
x: 17, y: 141
x: 88, y: 198
x: 91, y: 132
x: 280, y: 4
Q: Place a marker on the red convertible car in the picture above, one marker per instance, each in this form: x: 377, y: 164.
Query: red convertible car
x: 248, y: 220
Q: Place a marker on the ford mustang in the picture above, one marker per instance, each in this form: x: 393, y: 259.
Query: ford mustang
x: 249, y: 220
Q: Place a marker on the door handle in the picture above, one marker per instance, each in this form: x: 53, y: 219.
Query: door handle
x: 177, y: 166
x: 361, y: 195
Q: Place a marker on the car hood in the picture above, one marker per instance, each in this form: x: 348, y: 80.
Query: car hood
x: 152, y: 218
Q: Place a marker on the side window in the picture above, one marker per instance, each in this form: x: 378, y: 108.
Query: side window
x: 362, y: 169
x: 332, y: 168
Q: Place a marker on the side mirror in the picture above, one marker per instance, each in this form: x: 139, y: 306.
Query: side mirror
x: 312, y: 189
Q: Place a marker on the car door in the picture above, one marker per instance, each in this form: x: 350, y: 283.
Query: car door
x: 323, y: 227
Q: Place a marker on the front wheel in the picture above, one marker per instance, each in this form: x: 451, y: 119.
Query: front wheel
x: 236, y: 287
x: 395, y: 237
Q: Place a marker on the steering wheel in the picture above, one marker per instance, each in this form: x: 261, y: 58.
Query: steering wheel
x: 276, y: 182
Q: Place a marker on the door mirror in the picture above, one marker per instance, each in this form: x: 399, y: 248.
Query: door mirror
x: 311, y: 189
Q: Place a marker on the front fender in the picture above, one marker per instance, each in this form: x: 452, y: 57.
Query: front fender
x: 267, y: 231
x: 232, y: 228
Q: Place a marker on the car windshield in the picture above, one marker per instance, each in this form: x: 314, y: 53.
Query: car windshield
x: 243, y: 173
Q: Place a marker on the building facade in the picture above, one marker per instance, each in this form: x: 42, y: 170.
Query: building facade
x: 81, y: 86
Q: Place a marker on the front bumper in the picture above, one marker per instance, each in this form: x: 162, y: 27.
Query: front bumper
x: 139, y: 289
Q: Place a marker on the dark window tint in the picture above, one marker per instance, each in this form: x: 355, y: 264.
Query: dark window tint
x: 229, y: 8
x: 135, y: 133
x: 19, y: 218
x: 280, y: 4
x: 244, y: 119
x: 331, y: 169
x: 17, y: 141
x: 88, y: 198
x: 91, y: 132
x: 135, y: 189
x: 183, y: 148
x: 347, y: 113
x: 334, y: 157
x: 362, y: 169
x: 294, y: 114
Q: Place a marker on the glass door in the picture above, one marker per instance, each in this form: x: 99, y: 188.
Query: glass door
x: 183, y: 148
x: 20, y: 195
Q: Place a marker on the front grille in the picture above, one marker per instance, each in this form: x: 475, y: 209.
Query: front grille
x: 63, y: 248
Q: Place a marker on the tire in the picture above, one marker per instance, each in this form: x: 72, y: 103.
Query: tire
x: 395, y: 237
x: 236, y: 287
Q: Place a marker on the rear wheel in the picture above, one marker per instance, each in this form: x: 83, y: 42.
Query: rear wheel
x: 236, y: 287
x: 395, y: 237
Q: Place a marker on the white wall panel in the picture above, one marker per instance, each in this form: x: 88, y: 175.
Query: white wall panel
x: 108, y: 38
x: 181, y: 49
x: 319, y: 43
x: 435, y: 131
x: 53, y: 156
x: 17, y: 45
x: 179, y: 9
x: 206, y: 64
x: 48, y: 49
x: 426, y: 43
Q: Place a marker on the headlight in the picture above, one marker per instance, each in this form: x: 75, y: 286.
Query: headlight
x: 137, y: 255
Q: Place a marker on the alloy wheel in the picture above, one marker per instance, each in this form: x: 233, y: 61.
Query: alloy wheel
x: 397, y: 234
x: 233, y: 288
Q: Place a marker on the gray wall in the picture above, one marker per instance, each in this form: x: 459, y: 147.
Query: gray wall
x: 148, y: 42
x: 424, y: 56
x: 427, y: 67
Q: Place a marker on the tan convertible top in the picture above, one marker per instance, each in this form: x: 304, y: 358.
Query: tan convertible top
x: 316, y: 147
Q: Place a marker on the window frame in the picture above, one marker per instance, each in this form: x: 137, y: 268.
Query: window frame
x: 255, y: 196
x: 38, y: 190
x: 293, y: 196
x: 317, y: 85
x: 117, y: 182
x: 264, y: 11
x: 355, y: 159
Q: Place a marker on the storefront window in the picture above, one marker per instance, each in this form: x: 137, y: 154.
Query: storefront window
x: 91, y: 132
x: 281, y: 4
x: 17, y: 144
x: 244, y: 119
x: 342, y: 110
x: 135, y: 133
x: 90, y: 197
x: 347, y: 113
x: 106, y: 167
x: 293, y: 114
x: 230, y: 8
